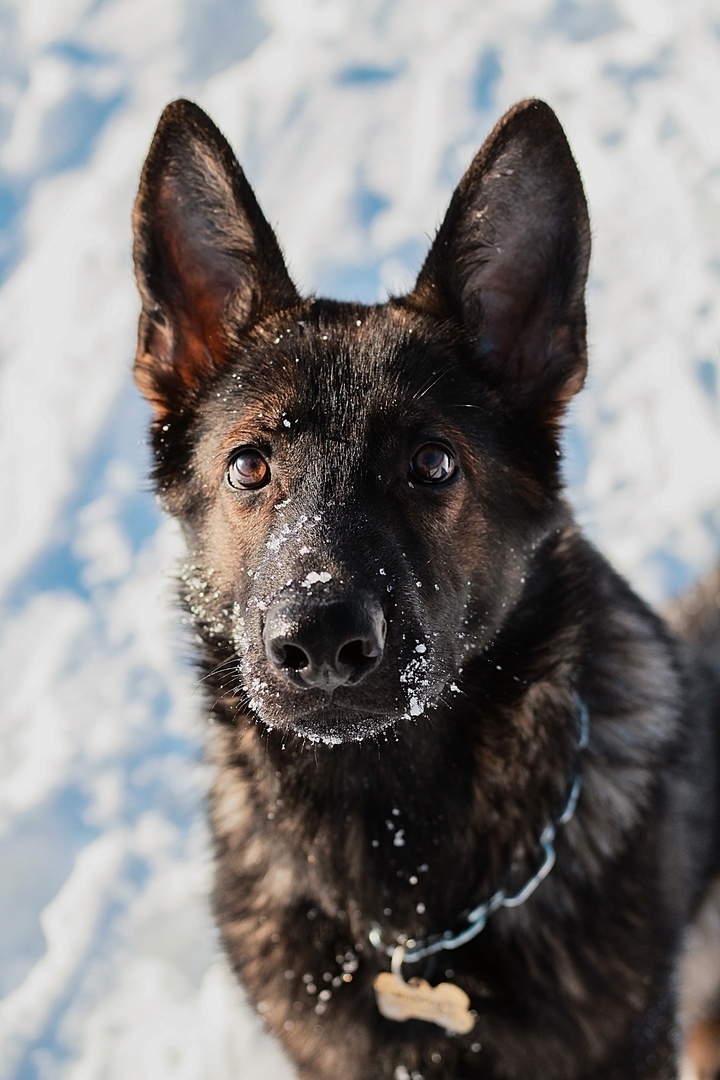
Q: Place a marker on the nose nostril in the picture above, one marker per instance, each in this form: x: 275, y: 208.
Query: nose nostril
x: 293, y: 658
x: 353, y: 654
x: 358, y: 658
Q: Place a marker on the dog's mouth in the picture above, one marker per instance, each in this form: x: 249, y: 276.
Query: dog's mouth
x: 334, y: 726
x: 332, y: 718
x: 330, y: 667
x: 349, y: 713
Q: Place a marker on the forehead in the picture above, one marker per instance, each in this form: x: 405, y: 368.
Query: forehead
x: 335, y: 366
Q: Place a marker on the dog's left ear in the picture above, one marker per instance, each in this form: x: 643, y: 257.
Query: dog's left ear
x: 510, y: 262
x: 206, y: 260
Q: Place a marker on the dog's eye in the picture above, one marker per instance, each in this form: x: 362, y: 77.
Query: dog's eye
x: 248, y: 469
x: 433, y: 463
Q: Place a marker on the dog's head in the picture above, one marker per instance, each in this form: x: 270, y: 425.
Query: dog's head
x: 362, y: 487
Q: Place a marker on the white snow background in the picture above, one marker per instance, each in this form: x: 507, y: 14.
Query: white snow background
x: 354, y: 120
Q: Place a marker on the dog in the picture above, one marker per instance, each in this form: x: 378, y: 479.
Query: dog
x: 466, y: 809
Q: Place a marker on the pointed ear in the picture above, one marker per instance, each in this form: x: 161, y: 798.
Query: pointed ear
x: 205, y: 257
x: 510, y: 261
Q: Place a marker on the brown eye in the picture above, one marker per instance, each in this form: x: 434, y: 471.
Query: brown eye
x: 248, y: 469
x: 433, y: 463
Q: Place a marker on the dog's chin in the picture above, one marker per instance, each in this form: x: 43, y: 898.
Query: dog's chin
x: 334, y: 727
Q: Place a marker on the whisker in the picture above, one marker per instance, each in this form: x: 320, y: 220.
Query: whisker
x: 228, y: 663
x: 500, y: 645
x: 433, y: 382
x: 236, y: 691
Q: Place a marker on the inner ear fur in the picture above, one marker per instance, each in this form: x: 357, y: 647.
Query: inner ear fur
x: 510, y: 261
x: 204, y: 255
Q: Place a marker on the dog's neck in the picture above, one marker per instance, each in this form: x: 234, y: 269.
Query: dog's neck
x: 370, y: 843
x: 473, y: 922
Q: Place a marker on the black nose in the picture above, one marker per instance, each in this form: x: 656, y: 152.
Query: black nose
x: 324, y: 644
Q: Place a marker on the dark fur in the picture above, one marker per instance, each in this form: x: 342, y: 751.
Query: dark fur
x: 405, y: 797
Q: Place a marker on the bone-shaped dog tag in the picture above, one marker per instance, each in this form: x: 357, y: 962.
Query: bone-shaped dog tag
x: 446, y: 1005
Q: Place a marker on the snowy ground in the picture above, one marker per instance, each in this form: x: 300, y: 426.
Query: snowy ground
x: 354, y: 119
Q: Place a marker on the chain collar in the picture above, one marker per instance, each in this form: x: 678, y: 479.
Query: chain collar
x: 411, y: 951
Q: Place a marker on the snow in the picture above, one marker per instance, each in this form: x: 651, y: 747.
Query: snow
x: 313, y: 578
x: 354, y: 120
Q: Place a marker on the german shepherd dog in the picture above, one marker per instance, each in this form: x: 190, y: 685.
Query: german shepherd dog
x: 466, y: 810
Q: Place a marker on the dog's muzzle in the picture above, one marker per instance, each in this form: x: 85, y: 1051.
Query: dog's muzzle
x: 325, y: 643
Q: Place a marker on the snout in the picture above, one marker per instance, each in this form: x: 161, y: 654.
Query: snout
x: 323, y: 643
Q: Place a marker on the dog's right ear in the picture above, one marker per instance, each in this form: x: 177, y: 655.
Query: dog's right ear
x: 205, y: 257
